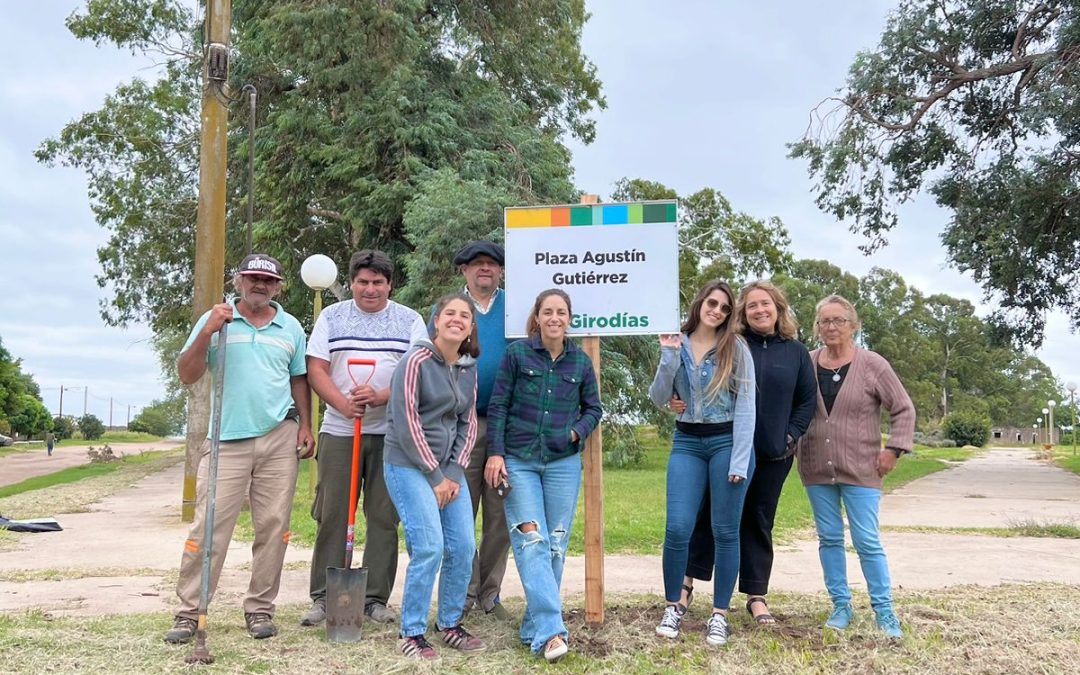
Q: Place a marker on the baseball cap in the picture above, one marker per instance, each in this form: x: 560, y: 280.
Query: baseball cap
x: 260, y: 263
x: 475, y: 248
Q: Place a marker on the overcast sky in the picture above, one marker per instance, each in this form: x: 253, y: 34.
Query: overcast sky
x: 700, y: 94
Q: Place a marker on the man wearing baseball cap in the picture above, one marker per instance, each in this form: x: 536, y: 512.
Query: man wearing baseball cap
x: 481, y: 263
x: 265, y: 430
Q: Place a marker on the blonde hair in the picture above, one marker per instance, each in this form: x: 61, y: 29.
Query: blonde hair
x: 849, y: 309
x: 787, y: 326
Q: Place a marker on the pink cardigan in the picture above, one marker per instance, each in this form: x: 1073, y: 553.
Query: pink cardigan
x: 843, y: 447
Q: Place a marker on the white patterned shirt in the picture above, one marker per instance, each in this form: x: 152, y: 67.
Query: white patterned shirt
x: 345, y: 331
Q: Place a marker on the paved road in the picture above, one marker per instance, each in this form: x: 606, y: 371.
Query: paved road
x: 138, y: 529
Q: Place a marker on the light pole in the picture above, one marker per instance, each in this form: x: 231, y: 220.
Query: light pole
x: 1035, y: 433
x: 1050, y: 422
x: 319, y: 273
x: 1072, y: 404
x: 1041, y: 426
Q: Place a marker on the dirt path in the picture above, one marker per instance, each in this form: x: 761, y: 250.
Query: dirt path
x: 122, y: 556
x: 19, y: 466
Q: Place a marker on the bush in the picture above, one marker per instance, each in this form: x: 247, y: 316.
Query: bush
x: 934, y: 440
x: 91, y: 427
x: 63, y: 428
x: 967, y: 428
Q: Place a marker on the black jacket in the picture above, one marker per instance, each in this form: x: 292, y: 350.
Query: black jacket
x: 786, y: 393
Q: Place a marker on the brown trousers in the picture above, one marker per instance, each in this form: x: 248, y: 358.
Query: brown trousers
x: 264, y: 470
x: 489, y: 565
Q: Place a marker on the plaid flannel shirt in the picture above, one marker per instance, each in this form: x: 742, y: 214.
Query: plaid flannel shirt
x: 537, y: 402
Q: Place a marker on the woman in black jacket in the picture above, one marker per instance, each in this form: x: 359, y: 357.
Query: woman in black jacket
x: 786, y: 400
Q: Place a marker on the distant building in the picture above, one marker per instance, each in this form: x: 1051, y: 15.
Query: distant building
x: 1022, y: 436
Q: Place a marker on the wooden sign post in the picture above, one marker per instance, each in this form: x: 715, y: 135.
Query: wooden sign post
x: 593, y: 464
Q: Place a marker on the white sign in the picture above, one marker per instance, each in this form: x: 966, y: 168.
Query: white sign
x: 619, y: 263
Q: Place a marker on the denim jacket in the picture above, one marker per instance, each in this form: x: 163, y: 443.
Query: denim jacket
x: 677, y: 374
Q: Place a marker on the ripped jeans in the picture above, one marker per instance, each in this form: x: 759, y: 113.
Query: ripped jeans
x: 544, y: 495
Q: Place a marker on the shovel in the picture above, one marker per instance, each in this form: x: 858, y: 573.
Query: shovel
x: 346, y: 588
x: 201, y: 654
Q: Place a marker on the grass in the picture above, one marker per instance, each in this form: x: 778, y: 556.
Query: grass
x: 75, y: 474
x: 1063, y: 456
x: 634, y: 501
x: 69, y: 491
x: 958, y: 630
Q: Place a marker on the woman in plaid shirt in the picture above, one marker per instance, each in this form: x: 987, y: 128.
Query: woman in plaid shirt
x: 544, y: 404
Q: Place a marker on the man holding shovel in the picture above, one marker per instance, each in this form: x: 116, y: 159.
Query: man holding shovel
x: 265, y: 429
x: 369, y: 326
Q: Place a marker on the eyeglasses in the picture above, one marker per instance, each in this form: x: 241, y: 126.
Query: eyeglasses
x: 713, y: 303
x: 825, y: 323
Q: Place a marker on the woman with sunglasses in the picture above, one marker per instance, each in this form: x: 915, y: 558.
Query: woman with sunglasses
x: 841, y: 458
x: 786, y: 399
x: 708, y: 366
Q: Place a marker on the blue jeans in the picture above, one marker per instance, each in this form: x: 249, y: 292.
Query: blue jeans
x: 861, y: 506
x: 438, y: 541
x: 546, y: 496
x: 698, y: 463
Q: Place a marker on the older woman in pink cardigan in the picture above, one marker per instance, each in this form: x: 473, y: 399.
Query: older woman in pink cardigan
x: 841, y: 459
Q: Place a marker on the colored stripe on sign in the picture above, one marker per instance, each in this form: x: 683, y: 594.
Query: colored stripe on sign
x: 600, y: 214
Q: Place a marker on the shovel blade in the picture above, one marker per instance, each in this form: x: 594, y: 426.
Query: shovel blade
x: 346, y: 590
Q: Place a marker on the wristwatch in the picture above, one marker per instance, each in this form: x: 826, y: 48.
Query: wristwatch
x: 898, y: 452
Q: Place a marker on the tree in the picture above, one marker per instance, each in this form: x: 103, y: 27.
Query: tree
x: 363, y: 108
x: 63, y: 427
x: 160, y: 418
x: 975, y: 101
x: 20, y: 398
x: 91, y: 427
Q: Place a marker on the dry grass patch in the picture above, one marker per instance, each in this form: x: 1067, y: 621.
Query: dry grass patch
x: 960, y: 630
x: 65, y: 573
x: 78, y: 496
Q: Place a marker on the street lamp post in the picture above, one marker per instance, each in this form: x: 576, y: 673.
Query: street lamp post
x: 1045, y: 421
x: 1072, y: 404
x: 1035, y: 433
x: 319, y: 273
x: 1041, y: 429
x: 1050, y: 423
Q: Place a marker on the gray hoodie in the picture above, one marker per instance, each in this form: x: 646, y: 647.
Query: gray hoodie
x: 431, y: 415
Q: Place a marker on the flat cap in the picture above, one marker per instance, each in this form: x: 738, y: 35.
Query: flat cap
x: 475, y: 248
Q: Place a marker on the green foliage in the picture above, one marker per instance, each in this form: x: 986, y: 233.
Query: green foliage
x: 976, y: 102
x: 21, y: 409
x: 160, y: 418
x: 63, y: 428
x: 90, y: 427
x: 968, y: 428
x: 363, y: 109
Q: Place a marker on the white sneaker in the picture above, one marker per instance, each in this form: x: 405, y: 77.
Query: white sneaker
x: 669, y: 625
x: 717, y: 631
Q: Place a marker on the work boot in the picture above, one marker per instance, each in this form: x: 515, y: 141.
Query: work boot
x: 315, y: 615
x: 260, y: 625
x: 183, y: 629
x: 380, y: 613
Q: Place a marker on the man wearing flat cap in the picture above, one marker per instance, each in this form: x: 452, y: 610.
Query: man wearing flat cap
x: 265, y: 430
x: 481, y: 263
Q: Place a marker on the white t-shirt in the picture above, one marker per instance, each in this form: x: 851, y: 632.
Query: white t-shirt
x: 345, y: 331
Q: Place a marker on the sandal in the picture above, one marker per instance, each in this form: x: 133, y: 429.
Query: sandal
x: 689, y: 597
x: 760, y: 619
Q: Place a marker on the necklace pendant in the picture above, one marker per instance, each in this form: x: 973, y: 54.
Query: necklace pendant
x: 836, y: 377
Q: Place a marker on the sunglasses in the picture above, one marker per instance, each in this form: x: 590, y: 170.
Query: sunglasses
x: 713, y: 303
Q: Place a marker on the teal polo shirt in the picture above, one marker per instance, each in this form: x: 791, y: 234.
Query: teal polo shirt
x: 258, y: 366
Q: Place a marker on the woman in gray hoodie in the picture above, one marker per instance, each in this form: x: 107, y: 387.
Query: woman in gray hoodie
x: 432, y: 429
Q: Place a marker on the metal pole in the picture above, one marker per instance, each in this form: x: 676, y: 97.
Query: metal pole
x: 110, y: 413
x: 313, y: 465
x: 61, y: 413
x: 209, y: 221
x: 1072, y: 404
